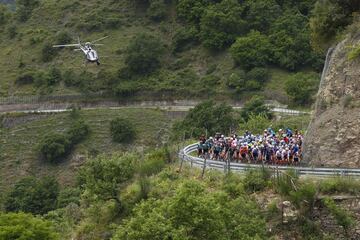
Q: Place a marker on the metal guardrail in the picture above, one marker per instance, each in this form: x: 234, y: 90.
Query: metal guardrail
x: 185, y: 155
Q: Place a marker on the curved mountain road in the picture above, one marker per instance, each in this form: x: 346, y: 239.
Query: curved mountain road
x: 186, y: 155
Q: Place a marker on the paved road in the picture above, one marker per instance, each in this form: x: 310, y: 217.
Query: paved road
x: 58, y: 108
x: 185, y: 155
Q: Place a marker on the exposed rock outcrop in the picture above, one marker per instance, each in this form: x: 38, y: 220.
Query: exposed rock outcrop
x: 333, y: 136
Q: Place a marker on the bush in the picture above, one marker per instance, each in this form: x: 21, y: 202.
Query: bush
x: 78, y: 131
x: 103, y: 175
x: 33, y: 195
x: 63, y: 37
x: 255, y: 106
x: 253, y: 50
x: 26, y: 78
x: 68, y: 196
x: 304, y: 197
x: 54, y: 76
x: 342, y: 217
x: 53, y: 147
x: 191, y: 11
x: 157, y: 10
x: 122, y: 130
x: 256, y: 180
x: 301, y: 87
x: 184, y: 38
x: 256, y: 123
x: 12, y: 31
x: 260, y: 75
x: 340, y: 185
x: 25, y: 226
x: 204, y: 118
x: 221, y: 23
x: 262, y: 14
x: 286, y: 182
x: 153, y: 163
x: 48, y: 52
x: 143, y: 54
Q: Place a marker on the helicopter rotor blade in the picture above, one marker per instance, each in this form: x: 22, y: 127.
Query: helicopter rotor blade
x: 67, y: 45
x: 97, y: 44
x: 97, y: 40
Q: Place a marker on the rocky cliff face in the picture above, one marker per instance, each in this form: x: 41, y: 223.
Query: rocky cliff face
x: 333, y: 136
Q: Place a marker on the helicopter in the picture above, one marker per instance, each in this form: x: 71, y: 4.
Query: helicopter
x: 90, y: 53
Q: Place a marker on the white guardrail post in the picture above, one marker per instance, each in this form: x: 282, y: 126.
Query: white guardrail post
x: 185, y: 155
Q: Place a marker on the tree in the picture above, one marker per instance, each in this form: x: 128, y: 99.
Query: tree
x: 191, y: 11
x: 221, y: 23
x: 78, y: 131
x: 103, y: 175
x: 193, y: 213
x: 256, y: 106
x: 53, y: 147
x: 253, y: 50
x: 262, y: 13
x: 25, y: 227
x: 48, y: 52
x: 330, y: 17
x: 143, y: 54
x: 290, y: 38
x: 157, y: 10
x: 206, y: 117
x: 33, y: 195
x: 4, y: 15
x: 301, y: 87
x: 122, y: 130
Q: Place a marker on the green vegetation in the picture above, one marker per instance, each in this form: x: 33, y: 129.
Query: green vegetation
x: 32, y: 195
x: 122, y: 130
x: 25, y: 226
x: 56, y: 146
x: 172, y: 49
x: 342, y: 217
x: 255, y: 106
x: 204, y: 118
x: 301, y: 87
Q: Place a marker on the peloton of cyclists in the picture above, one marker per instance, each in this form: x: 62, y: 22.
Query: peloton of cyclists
x: 270, y: 147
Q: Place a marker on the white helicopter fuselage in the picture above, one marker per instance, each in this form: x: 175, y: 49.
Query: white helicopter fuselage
x: 90, y: 54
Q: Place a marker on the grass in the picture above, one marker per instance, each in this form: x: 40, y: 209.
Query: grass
x: 54, y: 16
x: 19, y: 154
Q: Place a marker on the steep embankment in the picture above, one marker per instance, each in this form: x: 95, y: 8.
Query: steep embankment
x: 332, y: 138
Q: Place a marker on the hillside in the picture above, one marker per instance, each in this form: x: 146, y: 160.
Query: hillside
x: 194, y: 56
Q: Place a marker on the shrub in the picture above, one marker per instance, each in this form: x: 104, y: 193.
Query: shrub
x: 53, y: 147
x: 286, y: 182
x: 258, y: 74
x: 221, y: 23
x: 54, y: 76
x: 256, y: 180
x: 301, y: 87
x: 262, y: 14
x: 256, y: 123
x: 153, y: 163
x: 184, y: 38
x: 143, y: 54
x: 25, y: 226
x: 26, y: 78
x: 33, y: 195
x: 205, y: 118
x: 340, y: 185
x: 103, y: 175
x: 67, y: 196
x: 253, y: 50
x: 63, y: 37
x: 4, y: 15
x: 256, y: 105
x: 12, y: 31
x: 122, y: 130
x: 342, y: 217
x: 191, y: 11
x: 304, y: 197
x: 157, y: 10
x: 71, y: 79
x: 78, y: 131
x: 48, y: 52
